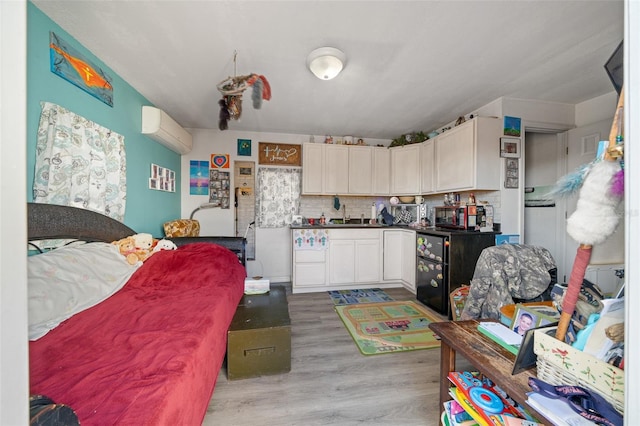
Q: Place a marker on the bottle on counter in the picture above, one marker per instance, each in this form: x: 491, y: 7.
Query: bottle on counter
x: 323, y: 220
x: 472, y: 199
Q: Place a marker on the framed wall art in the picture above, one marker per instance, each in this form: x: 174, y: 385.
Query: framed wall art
x: 510, y: 147
x: 279, y: 154
x: 511, y: 174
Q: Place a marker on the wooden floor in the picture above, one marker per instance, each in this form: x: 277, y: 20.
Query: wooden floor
x: 330, y: 382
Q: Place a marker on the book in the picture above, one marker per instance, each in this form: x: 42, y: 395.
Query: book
x: 456, y: 414
x: 486, y: 401
x: 556, y: 410
x: 502, y: 335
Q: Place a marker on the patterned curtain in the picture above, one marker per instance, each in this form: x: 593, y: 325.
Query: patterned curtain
x: 278, y: 196
x: 79, y: 163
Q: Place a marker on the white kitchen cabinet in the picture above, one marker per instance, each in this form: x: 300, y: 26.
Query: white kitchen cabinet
x: 309, y: 268
x: 312, y: 168
x: 409, y: 260
x: 392, y: 255
x: 336, y: 169
x: 467, y: 156
x: 427, y: 164
x: 354, y: 256
x: 381, y: 175
x: 400, y: 257
x: 360, y: 170
x: 405, y: 169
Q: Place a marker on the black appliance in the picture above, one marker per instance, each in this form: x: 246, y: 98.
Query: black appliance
x: 446, y: 260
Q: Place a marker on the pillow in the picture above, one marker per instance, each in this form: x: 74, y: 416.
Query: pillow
x: 71, y: 279
x: 182, y: 228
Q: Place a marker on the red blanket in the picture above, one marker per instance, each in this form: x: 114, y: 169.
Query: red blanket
x: 151, y: 353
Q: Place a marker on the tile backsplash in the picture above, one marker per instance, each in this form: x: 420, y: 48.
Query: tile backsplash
x: 316, y: 205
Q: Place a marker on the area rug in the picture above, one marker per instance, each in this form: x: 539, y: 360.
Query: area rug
x: 351, y: 297
x: 381, y: 328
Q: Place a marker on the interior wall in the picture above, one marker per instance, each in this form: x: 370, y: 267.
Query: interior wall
x: 146, y: 209
x: 14, y: 366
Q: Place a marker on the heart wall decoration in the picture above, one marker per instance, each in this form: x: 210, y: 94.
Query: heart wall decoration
x: 219, y: 161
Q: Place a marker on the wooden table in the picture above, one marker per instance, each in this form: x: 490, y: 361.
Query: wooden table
x: 487, y: 357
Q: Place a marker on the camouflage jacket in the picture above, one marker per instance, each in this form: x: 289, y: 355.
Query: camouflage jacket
x: 506, y: 272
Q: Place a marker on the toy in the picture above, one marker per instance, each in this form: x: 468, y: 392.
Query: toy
x: 164, y: 245
x: 127, y: 247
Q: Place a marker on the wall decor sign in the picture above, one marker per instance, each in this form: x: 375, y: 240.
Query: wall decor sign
x: 512, y: 126
x: 198, y: 177
x: 279, y: 154
x: 162, y: 179
x: 74, y: 67
x: 244, y: 147
x: 219, y: 184
x: 510, y: 147
x: 219, y: 161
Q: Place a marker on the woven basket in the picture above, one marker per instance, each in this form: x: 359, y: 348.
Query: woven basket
x: 561, y: 364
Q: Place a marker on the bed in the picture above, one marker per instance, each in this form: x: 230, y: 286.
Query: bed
x: 150, y: 353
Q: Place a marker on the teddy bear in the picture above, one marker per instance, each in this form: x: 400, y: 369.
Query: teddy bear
x: 143, y: 243
x: 127, y: 247
x: 164, y: 245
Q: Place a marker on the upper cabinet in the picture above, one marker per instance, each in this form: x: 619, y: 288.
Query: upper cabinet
x: 381, y: 175
x: 427, y: 166
x: 312, y: 168
x: 360, y: 170
x: 467, y: 156
x: 405, y: 169
x: 336, y: 169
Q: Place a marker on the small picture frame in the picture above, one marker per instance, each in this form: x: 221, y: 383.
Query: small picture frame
x: 528, y: 317
x: 510, y: 147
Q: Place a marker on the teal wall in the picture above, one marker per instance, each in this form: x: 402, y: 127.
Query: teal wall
x: 146, y: 210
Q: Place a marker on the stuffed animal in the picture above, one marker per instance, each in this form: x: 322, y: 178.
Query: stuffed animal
x: 164, y: 245
x: 127, y: 247
x: 143, y: 245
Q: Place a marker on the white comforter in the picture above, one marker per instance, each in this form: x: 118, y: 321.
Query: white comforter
x: 71, y: 279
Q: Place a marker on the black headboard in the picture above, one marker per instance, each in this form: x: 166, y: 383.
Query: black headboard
x: 51, y: 221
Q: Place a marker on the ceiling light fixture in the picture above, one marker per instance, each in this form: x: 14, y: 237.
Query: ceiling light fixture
x: 326, y: 62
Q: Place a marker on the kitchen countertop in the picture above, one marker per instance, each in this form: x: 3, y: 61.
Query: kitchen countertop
x: 420, y: 229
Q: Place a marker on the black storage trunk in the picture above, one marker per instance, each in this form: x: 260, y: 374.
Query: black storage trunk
x: 259, y: 338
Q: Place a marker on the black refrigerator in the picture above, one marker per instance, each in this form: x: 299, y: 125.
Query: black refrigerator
x: 446, y: 260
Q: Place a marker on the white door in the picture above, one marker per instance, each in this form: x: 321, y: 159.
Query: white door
x: 545, y: 162
x: 582, y: 144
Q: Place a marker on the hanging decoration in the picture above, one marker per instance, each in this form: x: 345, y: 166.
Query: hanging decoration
x: 232, y: 89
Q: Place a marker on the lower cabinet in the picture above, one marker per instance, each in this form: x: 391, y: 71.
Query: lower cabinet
x: 399, y: 257
x: 309, y: 268
x: 354, y: 256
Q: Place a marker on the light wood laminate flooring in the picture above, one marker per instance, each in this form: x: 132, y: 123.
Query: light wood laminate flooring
x: 330, y: 382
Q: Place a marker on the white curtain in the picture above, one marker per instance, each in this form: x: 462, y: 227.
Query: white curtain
x: 278, y: 196
x: 79, y: 163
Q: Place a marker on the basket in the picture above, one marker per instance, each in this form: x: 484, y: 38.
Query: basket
x: 561, y: 364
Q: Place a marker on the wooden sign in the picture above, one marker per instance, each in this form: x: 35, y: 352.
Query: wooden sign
x: 279, y: 154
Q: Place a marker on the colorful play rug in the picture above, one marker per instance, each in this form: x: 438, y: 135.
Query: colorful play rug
x: 380, y: 328
x: 351, y: 297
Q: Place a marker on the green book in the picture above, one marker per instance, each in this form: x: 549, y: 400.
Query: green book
x: 502, y: 335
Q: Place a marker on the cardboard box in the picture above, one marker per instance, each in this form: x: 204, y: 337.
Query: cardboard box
x: 561, y: 364
x: 255, y: 286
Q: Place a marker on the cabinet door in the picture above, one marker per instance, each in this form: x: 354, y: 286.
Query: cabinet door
x: 381, y: 175
x: 392, y: 256
x: 312, y: 168
x: 336, y: 169
x: 409, y: 260
x: 427, y: 163
x: 367, y: 261
x: 342, y: 261
x: 455, y: 158
x: 360, y: 170
x: 405, y: 170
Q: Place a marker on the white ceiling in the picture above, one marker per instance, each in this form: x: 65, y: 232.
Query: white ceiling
x: 411, y: 65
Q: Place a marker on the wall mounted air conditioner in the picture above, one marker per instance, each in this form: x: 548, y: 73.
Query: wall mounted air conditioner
x: 164, y: 129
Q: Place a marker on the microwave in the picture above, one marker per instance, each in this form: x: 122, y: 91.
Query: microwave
x: 460, y: 217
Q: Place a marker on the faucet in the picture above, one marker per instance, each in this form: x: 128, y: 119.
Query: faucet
x: 344, y: 213
x: 362, y: 219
